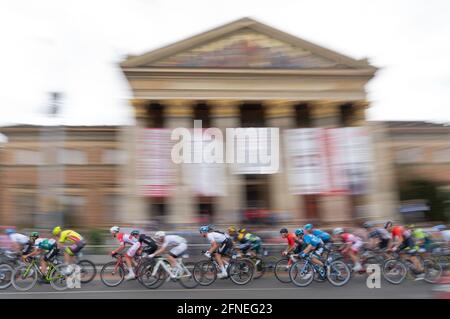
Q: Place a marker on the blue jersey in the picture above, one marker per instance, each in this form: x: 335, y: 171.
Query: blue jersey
x: 312, y: 240
x: 322, y: 235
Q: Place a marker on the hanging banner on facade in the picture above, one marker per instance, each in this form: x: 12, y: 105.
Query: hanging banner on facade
x: 306, y: 161
x: 156, y: 173
x: 328, y: 161
x: 350, y: 159
x: 205, y: 177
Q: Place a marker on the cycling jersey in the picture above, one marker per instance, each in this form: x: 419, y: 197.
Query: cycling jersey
x: 126, y: 239
x: 19, y: 238
x: 291, y: 239
x: 353, y: 240
x: 322, y: 235
x: 250, y: 241
x: 70, y: 237
x: 312, y: 240
x: 400, y: 232
x: 151, y: 245
x: 380, y: 233
x: 173, y: 240
x: 45, y: 243
x: 217, y: 237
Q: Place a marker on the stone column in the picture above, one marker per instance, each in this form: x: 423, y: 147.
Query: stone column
x: 281, y: 114
x: 178, y: 113
x: 133, y: 207
x: 333, y: 208
x: 226, y: 114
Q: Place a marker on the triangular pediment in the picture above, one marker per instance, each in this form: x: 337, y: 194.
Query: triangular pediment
x: 245, y: 44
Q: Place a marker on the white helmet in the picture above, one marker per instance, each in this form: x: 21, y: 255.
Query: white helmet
x: 114, y: 229
x: 338, y: 231
x: 160, y: 234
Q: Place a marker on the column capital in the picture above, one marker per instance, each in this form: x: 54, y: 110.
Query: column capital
x: 225, y: 108
x: 320, y: 109
x: 139, y: 107
x: 279, y: 108
x: 178, y: 108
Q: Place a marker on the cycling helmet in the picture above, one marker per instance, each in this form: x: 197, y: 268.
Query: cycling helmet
x: 299, y: 232
x: 9, y: 231
x: 134, y: 232
x: 204, y: 229
x: 308, y: 227
x: 367, y: 225
x: 283, y: 231
x: 338, y: 231
x: 56, y: 231
x: 231, y: 229
x: 242, y: 231
x: 34, y: 234
x: 160, y: 234
x: 388, y: 224
x: 114, y: 229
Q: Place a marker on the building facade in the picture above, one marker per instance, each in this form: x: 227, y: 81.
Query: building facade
x: 61, y: 175
x: 247, y: 74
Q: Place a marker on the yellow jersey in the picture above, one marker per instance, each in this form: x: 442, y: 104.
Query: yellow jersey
x: 69, y: 236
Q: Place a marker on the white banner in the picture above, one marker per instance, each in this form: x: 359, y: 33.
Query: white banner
x: 306, y: 161
x: 156, y: 173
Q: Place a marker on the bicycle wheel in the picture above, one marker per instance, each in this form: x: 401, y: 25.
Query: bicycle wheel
x: 88, y: 271
x: 259, y: 267
x: 269, y: 263
x: 301, y: 273
x: 6, y: 274
x: 433, y: 271
x: 281, y: 270
x: 58, y: 280
x: 110, y: 276
x: 24, y: 277
x: 205, y: 272
x: 444, y: 261
x: 394, y: 271
x: 338, y: 273
x: 241, y: 271
x: 186, y: 278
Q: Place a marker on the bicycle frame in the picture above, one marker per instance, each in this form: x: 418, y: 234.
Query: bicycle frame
x: 162, y: 262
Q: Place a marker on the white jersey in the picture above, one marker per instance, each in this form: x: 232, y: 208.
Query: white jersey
x: 173, y: 240
x: 19, y: 238
x: 217, y: 237
x: 446, y: 235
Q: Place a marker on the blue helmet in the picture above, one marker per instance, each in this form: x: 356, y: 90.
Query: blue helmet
x: 204, y: 229
x: 308, y: 227
x: 299, y: 232
x: 9, y: 231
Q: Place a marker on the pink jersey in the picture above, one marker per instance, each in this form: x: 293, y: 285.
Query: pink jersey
x: 350, y: 238
x: 126, y: 239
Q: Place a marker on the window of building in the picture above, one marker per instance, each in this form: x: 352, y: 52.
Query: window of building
x: 25, y: 207
x: 72, y: 157
x: 28, y: 157
x: 114, y: 156
x: 73, y: 207
x: 202, y: 112
x: 409, y: 155
x: 252, y: 115
x: 303, y: 115
x: 155, y: 115
x: 111, y: 207
x: 441, y: 155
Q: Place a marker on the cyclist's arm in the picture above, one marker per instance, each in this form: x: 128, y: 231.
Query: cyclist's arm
x: 308, y: 249
x: 214, y: 246
x: 119, y: 249
x: 35, y: 252
x: 160, y: 250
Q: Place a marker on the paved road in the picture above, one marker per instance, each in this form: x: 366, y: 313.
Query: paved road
x: 267, y: 287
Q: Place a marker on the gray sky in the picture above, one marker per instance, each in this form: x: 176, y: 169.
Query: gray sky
x: 74, y: 47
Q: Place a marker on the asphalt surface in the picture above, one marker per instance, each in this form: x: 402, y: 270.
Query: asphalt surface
x: 267, y: 287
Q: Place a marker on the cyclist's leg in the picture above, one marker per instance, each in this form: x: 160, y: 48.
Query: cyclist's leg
x: 129, y: 257
x: 176, y: 252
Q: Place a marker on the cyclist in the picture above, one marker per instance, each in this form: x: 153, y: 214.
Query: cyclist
x: 150, y: 245
x: 46, y: 248
x: 311, y: 245
x: 309, y: 229
x: 402, y: 240
x: 124, y: 239
x: 220, y: 243
x: 292, y: 242
x: 248, y: 241
x: 232, y: 232
x: 74, y: 241
x: 352, y: 245
x: 177, y: 244
x: 421, y: 239
x: 378, y: 236
x: 20, y: 243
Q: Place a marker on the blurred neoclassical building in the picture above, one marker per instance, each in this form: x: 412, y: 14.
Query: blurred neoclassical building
x: 248, y: 74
